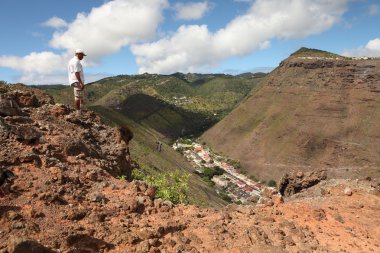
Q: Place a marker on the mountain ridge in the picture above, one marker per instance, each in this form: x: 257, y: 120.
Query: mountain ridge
x: 307, y: 114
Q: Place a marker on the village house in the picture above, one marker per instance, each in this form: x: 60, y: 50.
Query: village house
x: 240, y: 184
x: 220, y: 181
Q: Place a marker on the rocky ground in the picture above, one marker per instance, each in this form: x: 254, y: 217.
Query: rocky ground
x: 66, y: 197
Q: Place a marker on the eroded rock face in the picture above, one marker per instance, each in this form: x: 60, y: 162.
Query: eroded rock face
x: 9, y: 107
x: 42, y: 122
x: 21, y: 245
x: 297, y: 181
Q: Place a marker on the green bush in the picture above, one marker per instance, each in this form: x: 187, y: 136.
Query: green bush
x: 272, y: 183
x: 225, y: 196
x: 254, y: 178
x: 173, y: 186
x: 209, y: 172
x: 138, y: 175
x: 122, y: 177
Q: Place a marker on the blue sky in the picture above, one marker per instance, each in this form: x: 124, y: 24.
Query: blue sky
x: 166, y: 36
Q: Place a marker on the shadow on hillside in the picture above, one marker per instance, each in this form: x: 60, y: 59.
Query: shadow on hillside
x: 86, y: 244
x: 5, y: 209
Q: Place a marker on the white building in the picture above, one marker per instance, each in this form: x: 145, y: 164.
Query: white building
x: 220, y: 181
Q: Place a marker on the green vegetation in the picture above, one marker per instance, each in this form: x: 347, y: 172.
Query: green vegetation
x: 234, y: 163
x: 272, y: 183
x: 305, y: 52
x: 210, y: 172
x: 225, y: 196
x: 122, y: 177
x: 254, y: 178
x: 173, y: 186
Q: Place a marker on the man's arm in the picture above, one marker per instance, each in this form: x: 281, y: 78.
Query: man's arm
x: 81, y: 84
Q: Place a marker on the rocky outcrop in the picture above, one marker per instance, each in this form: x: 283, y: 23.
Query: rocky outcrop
x: 53, y: 132
x: 295, y: 182
x: 22, y: 245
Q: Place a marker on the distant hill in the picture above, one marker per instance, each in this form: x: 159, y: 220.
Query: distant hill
x: 174, y: 105
x: 311, y: 52
x: 317, y: 112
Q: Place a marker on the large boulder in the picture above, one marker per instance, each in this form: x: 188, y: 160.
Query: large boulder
x: 297, y: 181
x: 22, y: 245
x: 9, y: 107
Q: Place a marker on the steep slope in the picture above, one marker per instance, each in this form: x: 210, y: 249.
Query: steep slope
x: 143, y: 148
x: 65, y: 197
x: 315, y: 110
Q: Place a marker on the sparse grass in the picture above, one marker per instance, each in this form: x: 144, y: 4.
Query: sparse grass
x: 172, y: 185
x: 303, y: 51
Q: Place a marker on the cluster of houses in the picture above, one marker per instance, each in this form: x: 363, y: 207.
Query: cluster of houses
x: 181, y: 100
x: 237, y: 186
x: 319, y: 58
x: 336, y: 58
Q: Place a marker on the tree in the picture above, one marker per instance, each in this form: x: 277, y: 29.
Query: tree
x: 272, y: 183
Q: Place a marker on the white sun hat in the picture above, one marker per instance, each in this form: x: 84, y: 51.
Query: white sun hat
x: 80, y: 51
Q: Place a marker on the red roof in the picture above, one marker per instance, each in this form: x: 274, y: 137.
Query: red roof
x: 198, y: 148
x: 240, y: 183
x: 247, y: 189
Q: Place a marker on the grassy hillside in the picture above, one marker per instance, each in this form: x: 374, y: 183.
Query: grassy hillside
x: 174, y: 105
x: 143, y: 151
x: 310, y: 52
x: 307, y: 114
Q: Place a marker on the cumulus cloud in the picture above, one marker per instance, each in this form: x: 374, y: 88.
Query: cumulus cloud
x: 192, y: 48
x: 43, y: 62
x: 371, y: 49
x: 108, y: 28
x: 191, y: 11
x: 103, y: 31
x: 55, y: 22
x: 36, y: 67
x: 374, y: 9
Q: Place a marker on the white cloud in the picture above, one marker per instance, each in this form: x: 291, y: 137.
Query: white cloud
x: 57, y: 78
x: 192, y: 48
x: 40, y: 63
x: 55, y: 22
x: 371, y: 49
x: 108, y: 28
x: 374, y: 9
x: 36, y: 67
x: 103, y: 31
x: 189, y: 11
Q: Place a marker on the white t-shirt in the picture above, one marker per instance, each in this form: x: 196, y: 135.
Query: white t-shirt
x: 75, y: 66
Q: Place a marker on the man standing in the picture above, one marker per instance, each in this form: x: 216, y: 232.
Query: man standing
x: 76, y: 78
